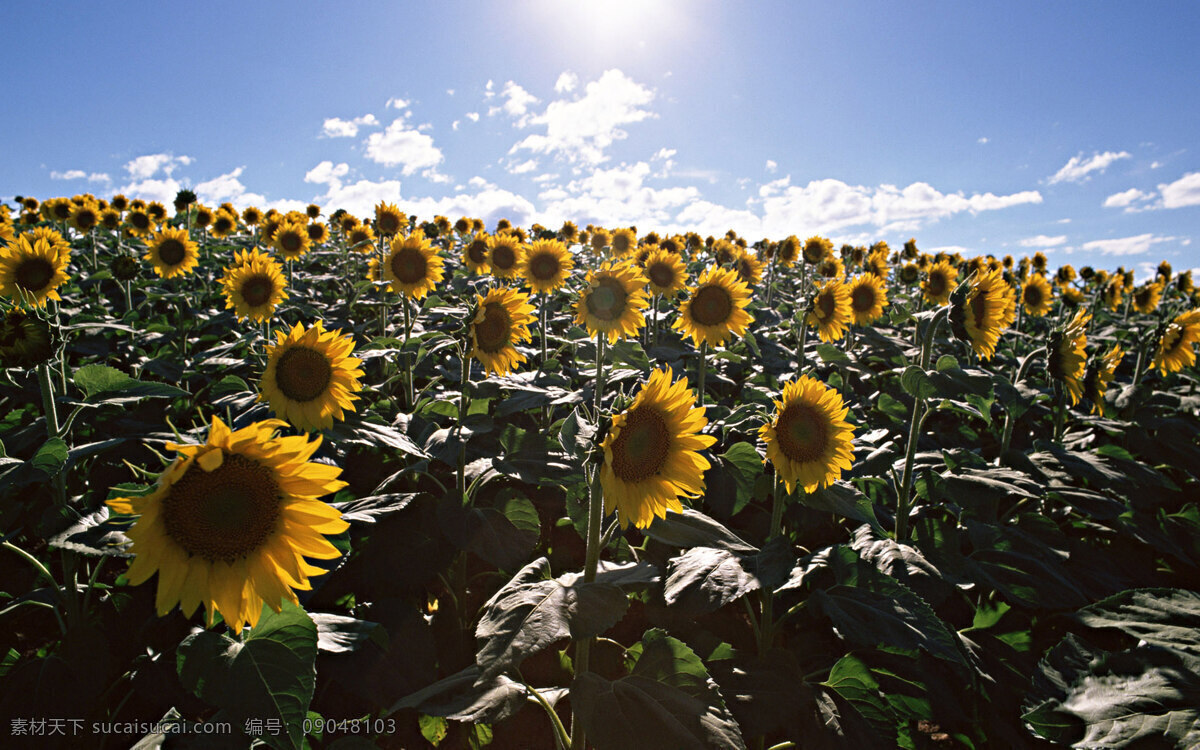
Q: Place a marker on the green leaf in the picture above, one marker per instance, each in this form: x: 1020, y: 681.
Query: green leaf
x: 51, y: 457
x: 843, y: 499
x: 338, y: 634
x: 1162, y: 617
x: 464, y: 696
x: 433, y: 729
x: 851, y: 679
x: 830, y: 353
x: 95, y: 534
x: 745, y: 465
x: 916, y: 383
x: 269, y: 675
x: 691, y: 528
x: 704, y: 579
x: 108, y: 384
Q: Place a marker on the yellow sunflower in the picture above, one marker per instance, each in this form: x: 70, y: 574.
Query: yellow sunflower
x: 223, y: 225
x: 868, y: 297
x: 24, y: 340
x: 788, y: 251
x: 311, y: 377
x: 815, y: 249
x: 361, y: 238
x: 748, y: 267
x: 623, y: 243
x: 1037, y: 296
x: 831, y: 311
x: 546, y: 265
x: 1064, y: 275
x: 939, y: 283
x: 716, y: 308
x: 30, y: 273
x: 475, y: 254
x: 989, y: 306
x: 504, y: 255
x: 231, y: 521
x: 831, y: 268
x: 254, y: 285
x: 1072, y: 297
x: 599, y: 239
x: 85, y: 217
x: 172, y: 253
x: 613, y: 301
x: 1067, y: 360
x: 1176, y: 348
x: 503, y: 319
x: 139, y: 223
x: 56, y: 241
x: 412, y: 266
x: 808, y: 439
x: 1147, y: 296
x: 389, y: 219
x: 291, y: 240
x: 652, y: 452
x: 318, y: 232
x: 665, y: 272
x: 1099, y: 374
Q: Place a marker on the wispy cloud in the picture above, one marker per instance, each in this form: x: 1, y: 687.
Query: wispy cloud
x: 335, y: 127
x: 79, y: 174
x: 1135, y: 245
x: 1078, y: 168
x: 403, y: 146
x: 148, y: 165
x: 1042, y: 240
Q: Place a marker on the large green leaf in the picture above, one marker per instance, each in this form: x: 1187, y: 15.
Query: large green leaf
x: 691, y: 528
x: 110, y: 385
x: 1162, y: 617
x: 465, y: 696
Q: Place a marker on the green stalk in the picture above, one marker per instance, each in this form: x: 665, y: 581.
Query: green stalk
x: 562, y: 740
x: 463, y: 403
x: 599, y: 369
x: 1009, y: 422
x: 766, y: 630
x: 545, y: 303
x: 53, y: 429
x: 583, y: 648
x: 914, y: 427
x: 1060, y: 411
x: 404, y: 355
x: 700, y: 374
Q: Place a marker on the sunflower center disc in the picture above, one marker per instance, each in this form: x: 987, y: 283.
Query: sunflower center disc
x: 936, y: 284
x: 172, y: 252
x: 640, y: 451
x: 803, y: 433
x: 607, y: 300
x: 291, y: 242
x: 257, y: 290
x: 661, y: 274
x: 863, y: 299
x: 85, y: 220
x: 303, y: 374
x: 388, y: 223
x: 34, y: 274
x: 1033, y: 295
x: 826, y: 304
x: 408, y: 265
x: 543, y: 267
x: 620, y: 244
x: 493, y: 333
x: 477, y: 251
x: 316, y: 232
x: 139, y: 220
x: 712, y: 306
x: 223, y: 514
x: 503, y: 257
x: 979, y: 309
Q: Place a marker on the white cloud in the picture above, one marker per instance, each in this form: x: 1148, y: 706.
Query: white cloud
x: 473, y: 116
x: 1042, y: 240
x: 1063, y: 221
x: 1126, y: 198
x: 326, y: 173
x: 1156, y: 164
x: 982, y: 139
x: 70, y: 174
x: 772, y: 166
x: 454, y: 125
x: 1126, y: 245
x: 359, y: 198
x: 337, y: 128
x: 1078, y: 168
x: 616, y: 197
x: 150, y: 164
x: 517, y: 101
x: 567, y: 81
x: 526, y: 166
x: 163, y: 190
x: 1182, y: 192
x: 579, y: 130
x: 400, y: 145
x: 401, y: 103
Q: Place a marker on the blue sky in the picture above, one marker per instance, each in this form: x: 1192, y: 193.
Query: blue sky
x: 1069, y: 127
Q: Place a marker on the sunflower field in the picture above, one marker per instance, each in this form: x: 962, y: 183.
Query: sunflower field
x: 312, y: 480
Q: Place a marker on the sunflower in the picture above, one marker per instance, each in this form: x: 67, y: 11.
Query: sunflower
x: 652, y: 452
x: 253, y: 286
x: 204, y: 217
x: 157, y: 211
x: 312, y: 210
x: 1037, y: 296
x: 1039, y: 262
x: 1071, y: 296
x: 723, y: 252
x: 56, y: 241
x: 1099, y: 374
x: 831, y: 268
x: 831, y: 312
x: 1183, y: 282
x: 1113, y: 292
x: 664, y: 272
x: 318, y: 233
x: 815, y: 249
x: 230, y: 522
x: 939, y: 283
x: 877, y: 264
x: 1067, y: 355
x: 223, y: 225
x: 172, y: 253
x: 85, y: 217
x: 623, y: 243
x: 546, y: 265
x: 989, y: 306
x: 599, y: 239
x: 788, y: 251
x: 868, y: 297
x: 1176, y: 347
x: 716, y: 308
x: 30, y: 272
x: 252, y: 216
x: 504, y: 255
x: 311, y: 377
x: 291, y: 240
x: 412, y: 266
x: 748, y: 267
x: 613, y: 301
x: 139, y: 222
x: 808, y: 439
x: 361, y: 238
x: 347, y: 222
x: 1147, y: 296
x: 1064, y: 275
x: 909, y: 274
x: 475, y: 254
x: 24, y: 340
x: 503, y: 319
x: 389, y: 219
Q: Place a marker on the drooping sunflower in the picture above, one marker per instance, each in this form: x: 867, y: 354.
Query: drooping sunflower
x: 612, y: 301
x: 831, y: 312
x: 652, y: 452
x: 808, y: 439
x: 1147, y: 296
x: 503, y: 319
x: 1037, y: 296
x: 1099, y: 374
x: 24, y: 340
x: 389, y: 219
x: 939, y: 283
x: 254, y: 285
x: 412, y: 266
x: 30, y: 272
x: 1072, y: 297
x: 504, y: 255
x: 1176, y: 347
x: 172, y: 253
x: 868, y: 297
x: 716, y: 308
x: 231, y: 521
x: 475, y: 254
x: 546, y: 265
x: 665, y: 272
x: 1067, y: 355
x: 311, y: 377
x: 988, y: 306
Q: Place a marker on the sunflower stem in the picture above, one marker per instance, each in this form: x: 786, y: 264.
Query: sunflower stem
x: 45, y: 573
x: 599, y: 371
x: 1060, y: 412
x: 700, y: 374
x: 1009, y: 422
x: 545, y: 303
x: 766, y: 629
x: 914, y: 429
x: 562, y: 740
x: 463, y: 403
x: 583, y: 648
x: 406, y: 363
